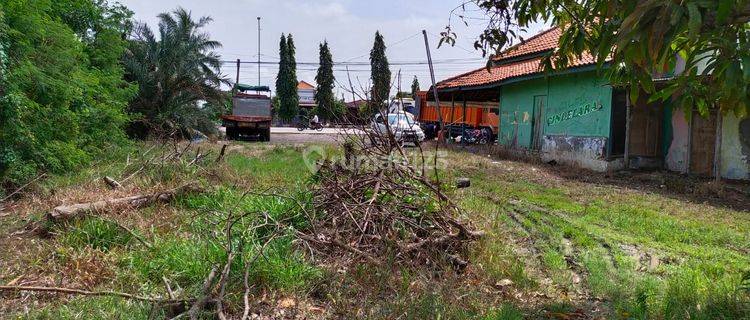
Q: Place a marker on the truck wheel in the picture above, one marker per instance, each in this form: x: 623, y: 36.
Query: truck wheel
x: 230, y: 134
x: 267, y: 135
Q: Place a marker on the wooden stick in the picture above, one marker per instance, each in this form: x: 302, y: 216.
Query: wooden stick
x: 201, y: 302
x: 112, y: 183
x: 23, y: 187
x: 221, y: 154
x: 168, y: 287
x: 87, y: 293
x: 135, y: 235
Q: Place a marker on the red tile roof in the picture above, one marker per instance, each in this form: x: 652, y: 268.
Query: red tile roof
x: 304, y: 85
x: 494, y: 74
x: 506, y: 71
x: 544, y: 41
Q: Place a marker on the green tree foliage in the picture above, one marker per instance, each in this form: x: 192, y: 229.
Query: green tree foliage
x: 176, y: 72
x: 414, y: 87
x: 281, y: 80
x: 324, y: 93
x: 642, y: 40
x: 64, y: 97
x: 380, y: 71
x: 286, y: 80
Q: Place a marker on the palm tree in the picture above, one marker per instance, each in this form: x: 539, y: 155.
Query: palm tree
x: 175, y: 73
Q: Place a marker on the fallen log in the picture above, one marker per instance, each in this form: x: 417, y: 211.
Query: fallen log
x: 91, y: 293
x: 63, y: 213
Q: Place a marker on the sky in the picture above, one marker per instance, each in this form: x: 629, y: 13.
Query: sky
x: 349, y: 26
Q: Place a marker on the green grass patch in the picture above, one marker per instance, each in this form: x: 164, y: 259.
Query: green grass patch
x: 276, y: 167
x: 94, y: 308
x: 506, y: 312
x: 282, y: 267
x: 184, y: 261
x: 95, y: 232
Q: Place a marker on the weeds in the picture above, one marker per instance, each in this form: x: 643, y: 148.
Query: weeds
x: 641, y: 255
x: 98, y: 233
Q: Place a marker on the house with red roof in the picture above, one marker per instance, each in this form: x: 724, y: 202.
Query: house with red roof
x: 577, y: 117
x: 306, y: 93
x: 566, y: 116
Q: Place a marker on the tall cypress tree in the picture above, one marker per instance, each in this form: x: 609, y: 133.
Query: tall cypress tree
x: 282, y: 91
x: 414, y: 87
x: 380, y: 72
x: 286, y: 80
x: 292, y: 82
x: 325, y: 79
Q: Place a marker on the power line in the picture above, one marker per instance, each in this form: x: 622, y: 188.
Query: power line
x: 366, y: 63
x: 387, y: 45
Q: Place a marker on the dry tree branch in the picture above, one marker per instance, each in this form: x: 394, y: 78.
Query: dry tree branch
x: 90, y: 293
x: 205, y: 295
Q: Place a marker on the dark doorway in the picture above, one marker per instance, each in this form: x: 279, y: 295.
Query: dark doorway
x: 537, y: 125
x: 702, y: 144
x: 646, y: 121
x: 617, y: 129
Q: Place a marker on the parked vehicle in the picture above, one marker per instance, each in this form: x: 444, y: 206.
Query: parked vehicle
x: 458, y: 116
x: 402, y: 105
x: 251, y: 114
x: 476, y: 136
x: 404, y: 127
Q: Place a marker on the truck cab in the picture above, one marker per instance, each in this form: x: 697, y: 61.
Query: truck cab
x: 251, y: 114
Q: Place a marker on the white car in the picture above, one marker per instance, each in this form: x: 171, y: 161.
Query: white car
x: 402, y: 124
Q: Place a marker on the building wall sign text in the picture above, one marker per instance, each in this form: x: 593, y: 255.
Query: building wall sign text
x: 576, y: 112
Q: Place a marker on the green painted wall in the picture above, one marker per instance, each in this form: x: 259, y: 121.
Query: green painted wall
x: 517, y: 111
x: 578, y: 104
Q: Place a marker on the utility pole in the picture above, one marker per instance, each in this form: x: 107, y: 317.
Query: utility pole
x: 437, y: 108
x: 237, y: 81
x: 259, y: 84
x: 432, y: 77
x: 351, y: 87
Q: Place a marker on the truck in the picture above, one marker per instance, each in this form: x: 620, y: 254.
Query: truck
x: 458, y: 116
x: 251, y: 114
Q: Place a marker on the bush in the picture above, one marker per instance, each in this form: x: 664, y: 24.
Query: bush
x: 63, y: 94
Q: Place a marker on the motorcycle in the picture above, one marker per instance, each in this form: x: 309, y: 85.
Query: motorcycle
x: 302, y: 125
x: 475, y: 136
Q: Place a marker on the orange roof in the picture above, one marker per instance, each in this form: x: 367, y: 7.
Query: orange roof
x: 544, y: 41
x: 510, y: 70
x: 304, y: 85
x: 494, y: 74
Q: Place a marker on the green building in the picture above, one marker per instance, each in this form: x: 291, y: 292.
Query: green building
x: 576, y: 117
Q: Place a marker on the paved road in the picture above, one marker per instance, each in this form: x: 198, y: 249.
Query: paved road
x: 328, y: 131
x: 292, y: 135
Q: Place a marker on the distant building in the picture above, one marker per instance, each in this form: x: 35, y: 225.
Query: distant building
x: 306, y: 94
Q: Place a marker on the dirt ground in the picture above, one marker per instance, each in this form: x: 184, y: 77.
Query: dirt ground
x: 733, y: 194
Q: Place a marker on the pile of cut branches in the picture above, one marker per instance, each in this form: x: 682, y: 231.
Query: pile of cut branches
x: 378, y: 203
